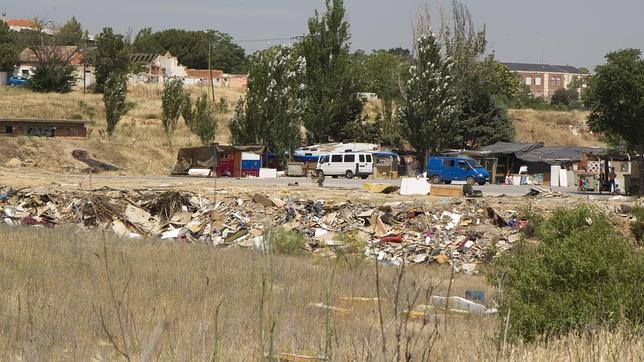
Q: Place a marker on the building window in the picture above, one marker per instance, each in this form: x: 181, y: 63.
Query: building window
x: 528, y: 80
x: 537, y: 80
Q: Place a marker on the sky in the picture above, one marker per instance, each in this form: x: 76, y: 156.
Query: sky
x: 564, y: 32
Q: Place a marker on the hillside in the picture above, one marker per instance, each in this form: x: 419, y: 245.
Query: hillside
x: 553, y: 127
x: 139, y: 144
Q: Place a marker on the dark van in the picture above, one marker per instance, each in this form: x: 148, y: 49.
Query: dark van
x: 448, y: 169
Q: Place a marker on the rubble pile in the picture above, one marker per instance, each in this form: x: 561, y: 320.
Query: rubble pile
x: 462, y: 232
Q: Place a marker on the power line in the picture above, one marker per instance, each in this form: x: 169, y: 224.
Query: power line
x: 265, y: 40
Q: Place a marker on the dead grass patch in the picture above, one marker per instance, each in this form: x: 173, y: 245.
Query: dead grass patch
x: 64, y: 291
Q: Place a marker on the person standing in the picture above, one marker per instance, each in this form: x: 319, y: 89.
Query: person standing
x: 611, y: 179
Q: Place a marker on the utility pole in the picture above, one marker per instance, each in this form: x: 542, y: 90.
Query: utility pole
x: 212, y: 84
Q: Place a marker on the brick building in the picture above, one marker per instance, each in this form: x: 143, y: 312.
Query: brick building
x: 544, y: 79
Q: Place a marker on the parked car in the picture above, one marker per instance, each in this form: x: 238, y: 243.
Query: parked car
x: 448, y: 169
x: 348, y: 164
x: 17, y: 81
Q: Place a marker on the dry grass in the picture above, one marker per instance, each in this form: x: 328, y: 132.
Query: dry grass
x: 554, y: 128
x: 139, y: 145
x: 56, y: 286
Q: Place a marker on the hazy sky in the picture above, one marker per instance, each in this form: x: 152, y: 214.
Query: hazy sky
x: 574, y: 32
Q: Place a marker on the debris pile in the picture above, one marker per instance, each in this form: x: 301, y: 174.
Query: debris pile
x: 462, y: 232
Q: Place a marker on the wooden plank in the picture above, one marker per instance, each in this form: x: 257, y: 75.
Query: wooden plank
x: 446, y: 191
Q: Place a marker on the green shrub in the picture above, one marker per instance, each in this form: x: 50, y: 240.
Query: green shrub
x: 637, y: 227
x: 582, y: 274
x: 285, y: 241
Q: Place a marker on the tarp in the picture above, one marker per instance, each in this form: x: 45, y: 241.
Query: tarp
x: 556, y: 154
x: 197, y: 157
x: 508, y: 148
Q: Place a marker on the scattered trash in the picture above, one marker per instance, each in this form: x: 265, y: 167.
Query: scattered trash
x: 453, y: 231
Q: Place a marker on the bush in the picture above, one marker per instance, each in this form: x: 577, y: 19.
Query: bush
x: 637, y: 227
x: 52, y: 78
x: 581, y: 275
x: 565, y: 97
x: 284, y: 241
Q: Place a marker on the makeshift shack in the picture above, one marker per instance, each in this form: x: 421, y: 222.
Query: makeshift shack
x: 226, y: 160
x: 597, y: 165
x: 532, y: 163
x: 385, y: 165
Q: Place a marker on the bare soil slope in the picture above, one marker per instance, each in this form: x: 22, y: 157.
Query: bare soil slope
x: 554, y: 128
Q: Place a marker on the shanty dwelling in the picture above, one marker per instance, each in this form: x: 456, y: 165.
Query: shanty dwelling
x: 532, y: 163
x: 43, y: 128
x: 220, y: 160
x: 544, y: 79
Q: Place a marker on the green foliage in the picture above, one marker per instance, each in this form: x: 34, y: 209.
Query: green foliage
x: 110, y: 57
x: 172, y: 101
x: 186, y: 109
x: 483, y: 119
x: 272, y: 112
x: 331, y: 91
x: 615, y: 97
x: 565, y: 97
x: 8, y: 56
x: 191, y: 48
x: 382, y: 72
x: 637, y: 227
x: 114, y: 98
x: 285, y: 241
x: 202, y: 120
x: 9, y: 48
x: 429, y: 104
x: 52, y: 76
x: 581, y: 275
x: 71, y: 33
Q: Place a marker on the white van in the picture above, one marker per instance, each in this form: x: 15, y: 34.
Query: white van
x: 347, y: 164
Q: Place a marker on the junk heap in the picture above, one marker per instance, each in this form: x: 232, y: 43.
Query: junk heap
x: 461, y: 232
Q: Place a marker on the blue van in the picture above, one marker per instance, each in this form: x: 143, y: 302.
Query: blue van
x: 448, y: 169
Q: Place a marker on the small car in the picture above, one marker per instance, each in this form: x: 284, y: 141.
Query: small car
x: 17, y: 81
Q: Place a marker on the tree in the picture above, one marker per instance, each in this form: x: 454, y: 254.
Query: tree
x: 615, y: 97
x: 71, y: 33
x: 172, y: 102
x: 332, y: 98
x: 8, y: 56
x: 114, y: 98
x: 481, y: 86
x: 203, y: 120
x: 191, y: 48
x: 429, y: 104
x: 564, y: 97
x: 382, y: 72
x: 9, y: 50
x: 54, y: 72
x: 110, y: 57
x: 271, y: 114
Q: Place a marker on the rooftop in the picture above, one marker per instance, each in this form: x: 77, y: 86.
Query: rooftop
x: 37, y: 120
x: 531, y: 67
